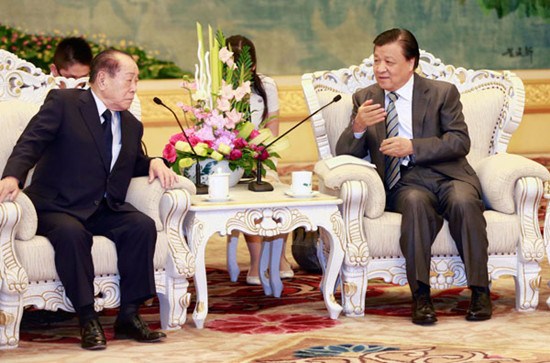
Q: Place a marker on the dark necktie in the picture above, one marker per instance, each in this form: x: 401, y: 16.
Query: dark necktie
x: 392, y: 171
x: 108, y: 135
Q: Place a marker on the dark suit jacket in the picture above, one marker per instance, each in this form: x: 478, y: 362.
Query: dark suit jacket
x: 65, y: 142
x: 440, y: 135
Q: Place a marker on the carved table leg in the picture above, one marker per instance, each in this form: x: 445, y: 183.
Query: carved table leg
x: 334, y: 229
x: 198, y: 237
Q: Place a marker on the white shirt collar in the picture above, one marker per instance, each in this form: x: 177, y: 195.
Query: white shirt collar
x: 406, y: 91
x: 100, y: 105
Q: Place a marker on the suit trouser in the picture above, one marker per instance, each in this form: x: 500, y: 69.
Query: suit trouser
x: 134, y: 235
x: 425, y: 198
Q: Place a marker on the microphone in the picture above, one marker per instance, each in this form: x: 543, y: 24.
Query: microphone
x: 201, y: 188
x: 262, y: 186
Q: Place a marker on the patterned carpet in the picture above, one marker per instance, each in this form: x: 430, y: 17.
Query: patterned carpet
x: 243, y: 325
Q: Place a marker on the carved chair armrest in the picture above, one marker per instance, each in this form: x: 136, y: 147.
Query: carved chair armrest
x: 333, y: 175
x: 528, y: 194
x: 499, y: 174
x: 28, y: 224
x: 147, y: 197
x: 13, y: 278
x: 173, y: 209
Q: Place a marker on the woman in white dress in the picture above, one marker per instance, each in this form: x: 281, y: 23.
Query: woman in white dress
x: 264, y: 105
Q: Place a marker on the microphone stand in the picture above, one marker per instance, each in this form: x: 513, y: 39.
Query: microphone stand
x: 263, y: 186
x: 201, y: 188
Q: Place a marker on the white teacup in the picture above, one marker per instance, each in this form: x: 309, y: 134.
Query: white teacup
x: 218, y: 186
x: 301, y: 182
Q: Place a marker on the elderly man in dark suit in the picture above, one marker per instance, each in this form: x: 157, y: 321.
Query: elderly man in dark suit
x: 413, y: 130
x: 86, y: 147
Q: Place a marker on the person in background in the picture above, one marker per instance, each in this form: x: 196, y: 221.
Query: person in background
x: 414, y: 131
x: 264, y: 106
x: 72, y: 58
x: 86, y: 148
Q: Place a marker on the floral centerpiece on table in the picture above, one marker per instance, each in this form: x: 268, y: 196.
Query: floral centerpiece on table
x: 217, y: 116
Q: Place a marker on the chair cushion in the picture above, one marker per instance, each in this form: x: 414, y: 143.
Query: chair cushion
x: 337, y: 116
x: 14, y: 117
x: 503, y: 232
x: 481, y: 109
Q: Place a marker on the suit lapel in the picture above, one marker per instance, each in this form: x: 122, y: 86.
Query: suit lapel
x: 420, y: 103
x: 88, y: 110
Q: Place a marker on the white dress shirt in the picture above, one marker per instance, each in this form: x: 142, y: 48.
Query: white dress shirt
x: 403, y: 107
x: 115, y: 128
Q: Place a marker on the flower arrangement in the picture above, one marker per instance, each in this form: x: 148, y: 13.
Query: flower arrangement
x: 220, y: 112
x: 39, y: 50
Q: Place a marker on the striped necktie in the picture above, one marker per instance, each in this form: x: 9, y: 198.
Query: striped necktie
x: 393, y: 164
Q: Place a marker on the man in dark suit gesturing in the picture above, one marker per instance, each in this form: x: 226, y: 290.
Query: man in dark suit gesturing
x: 86, y: 147
x: 414, y: 131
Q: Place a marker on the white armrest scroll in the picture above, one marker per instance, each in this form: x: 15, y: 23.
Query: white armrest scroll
x: 498, y: 175
x: 333, y: 173
x: 13, y: 278
x: 146, y: 197
x: 29, y: 220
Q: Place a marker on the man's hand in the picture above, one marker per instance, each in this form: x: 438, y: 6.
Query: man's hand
x: 166, y: 176
x: 368, y: 114
x: 9, y: 189
x: 398, y: 147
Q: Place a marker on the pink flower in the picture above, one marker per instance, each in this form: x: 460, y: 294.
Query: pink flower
x: 260, y: 152
x: 178, y: 137
x: 240, y: 143
x: 169, y: 153
x: 235, y: 154
x: 200, y: 114
x: 225, y: 55
x: 190, y: 85
x: 185, y: 108
x: 223, y: 105
x: 253, y: 134
x: 242, y: 91
x: 215, y: 120
x: 226, y: 90
x: 204, y: 134
x: 223, y: 137
x: 233, y: 117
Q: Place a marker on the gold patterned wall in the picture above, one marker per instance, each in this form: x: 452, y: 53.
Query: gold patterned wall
x: 537, y: 96
x: 292, y: 104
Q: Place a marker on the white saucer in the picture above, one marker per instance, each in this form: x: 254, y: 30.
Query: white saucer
x: 290, y: 193
x: 216, y: 200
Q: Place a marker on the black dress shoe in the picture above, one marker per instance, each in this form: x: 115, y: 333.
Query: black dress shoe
x: 480, y: 305
x: 92, y: 336
x: 138, y: 330
x: 423, y: 312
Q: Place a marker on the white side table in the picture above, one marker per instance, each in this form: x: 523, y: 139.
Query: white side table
x: 266, y: 214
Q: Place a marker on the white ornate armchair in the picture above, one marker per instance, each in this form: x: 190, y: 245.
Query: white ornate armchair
x: 512, y: 185
x: 27, y: 271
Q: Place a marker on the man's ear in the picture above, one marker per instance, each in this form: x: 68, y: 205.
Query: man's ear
x: 411, y: 63
x: 53, y: 70
x: 101, y: 80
